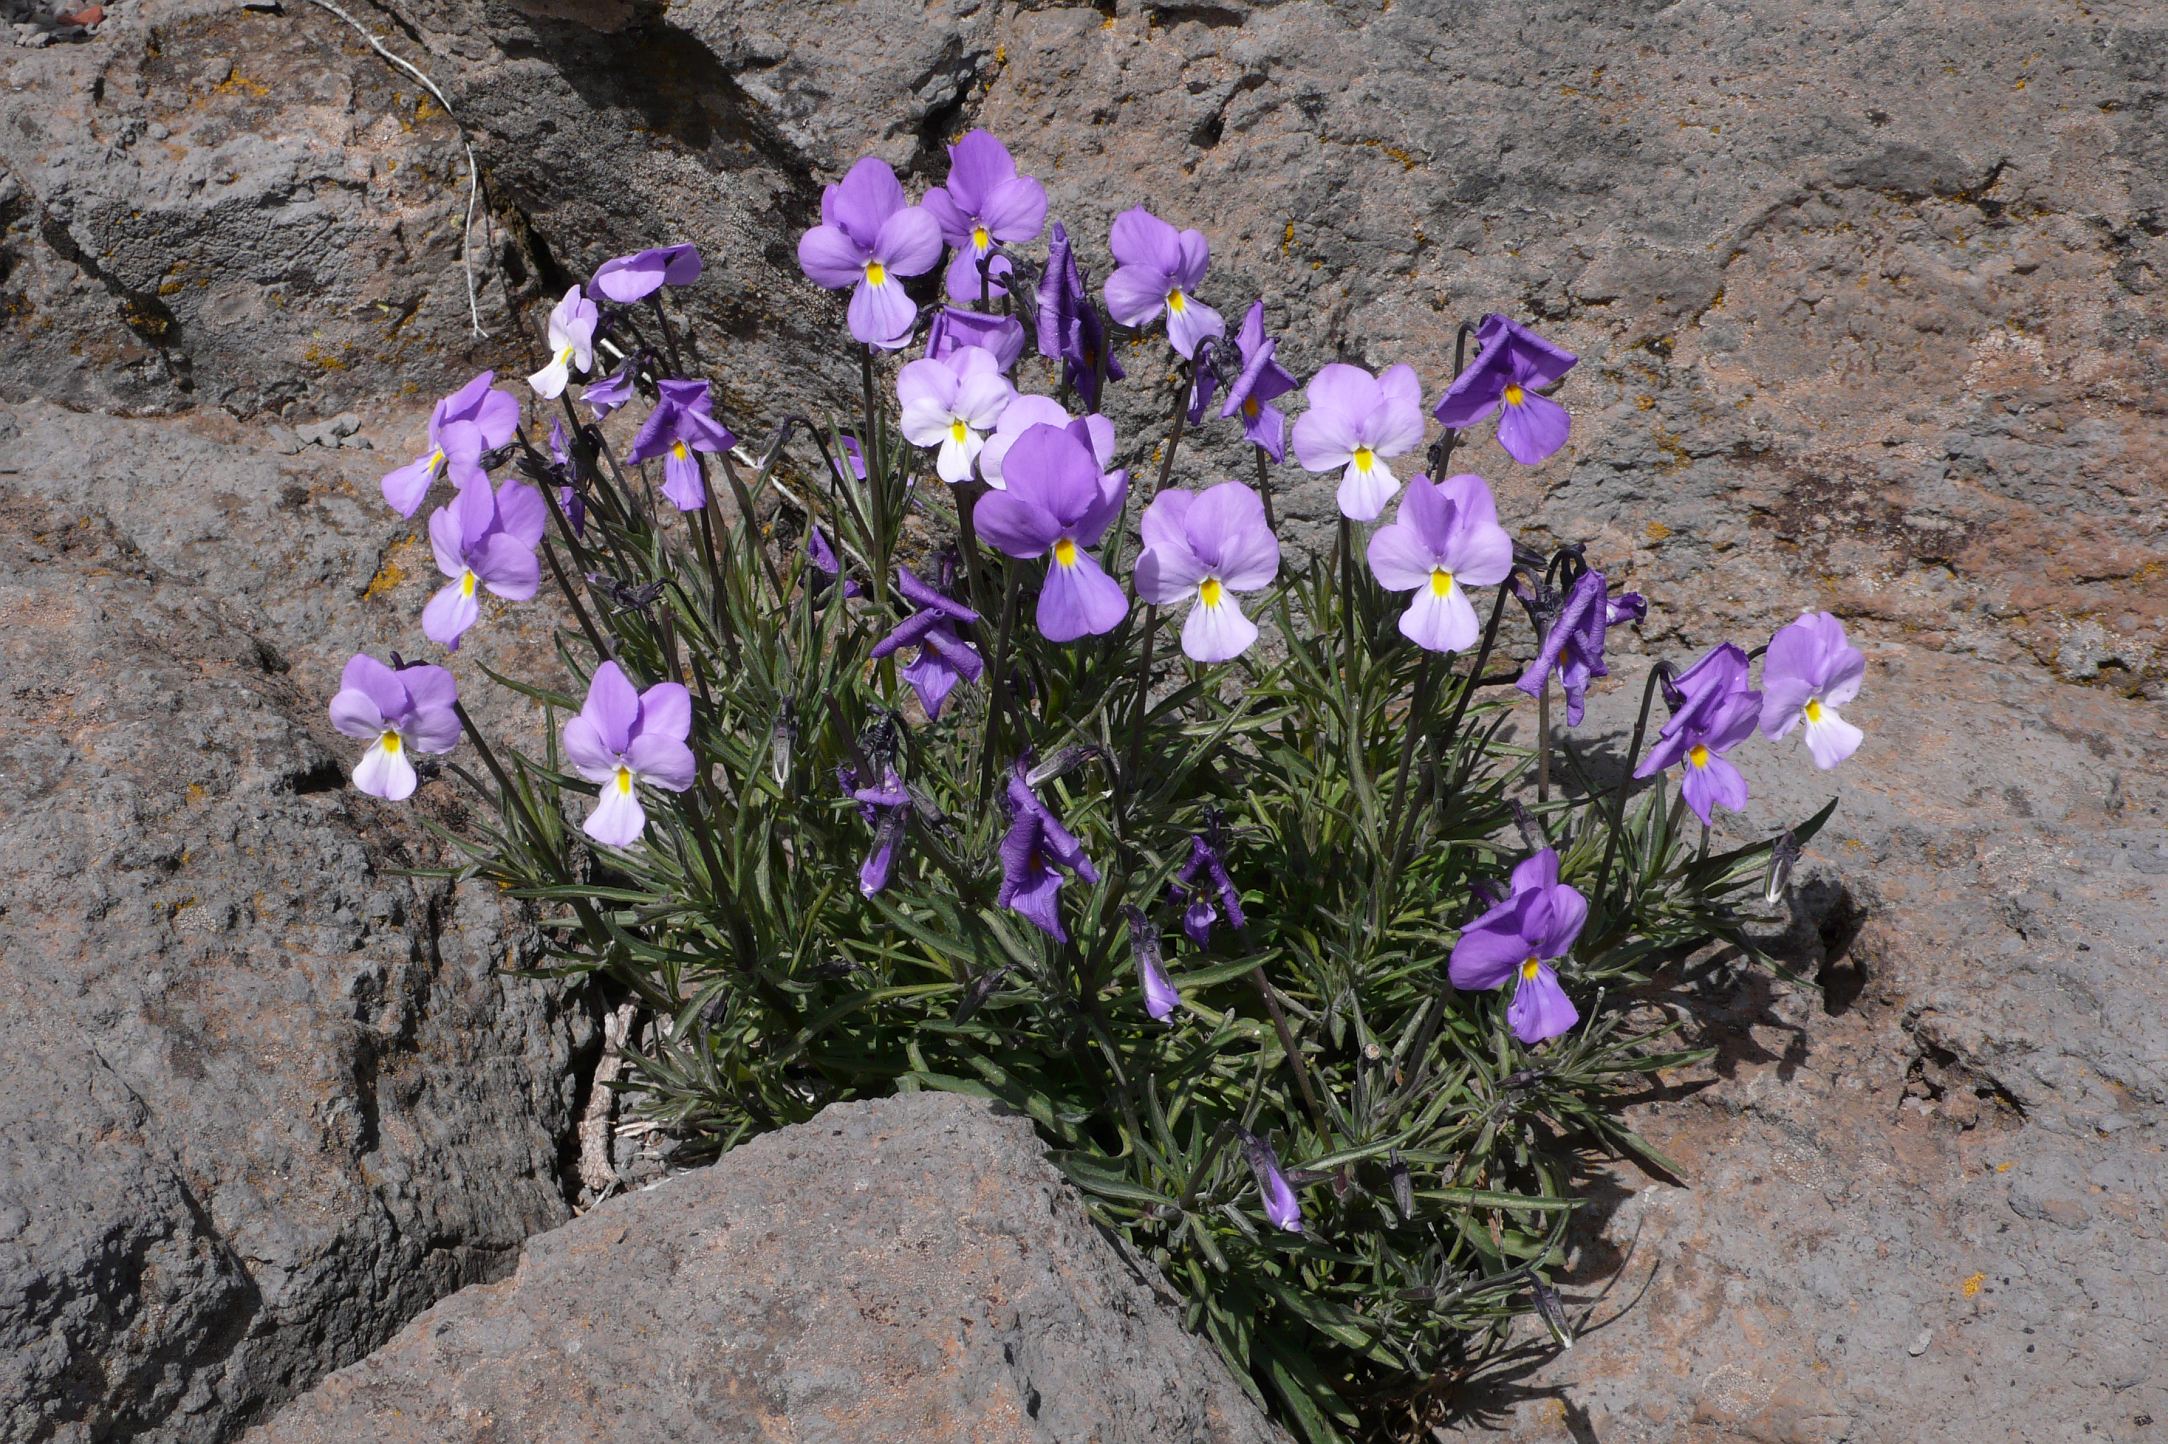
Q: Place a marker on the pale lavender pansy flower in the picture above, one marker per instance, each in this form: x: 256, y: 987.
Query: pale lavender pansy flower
x: 1573, y: 647
x: 1028, y: 411
x: 951, y: 404
x: 398, y: 712
x: 940, y: 657
x: 1282, y: 1209
x: 623, y: 738
x: 1034, y: 852
x: 463, y: 427
x: 1507, y: 376
x: 952, y: 329
x: 1261, y: 381
x: 681, y: 423
x: 612, y: 391
x: 1069, y: 325
x: 1809, y: 671
x: 1445, y: 539
x: 1354, y: 423
x: 1517, y: 941
x: 1058, y: 503
x: 572, y: 344
x: 1203, y: 548
x: 1159, y: 270
x: 870, y: 240
x: 626, y: 279
x: 984, y: 206
x: 483, y: 539
x: 1717, y: 713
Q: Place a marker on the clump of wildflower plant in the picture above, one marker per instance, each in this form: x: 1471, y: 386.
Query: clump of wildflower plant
x: 1281, y: 932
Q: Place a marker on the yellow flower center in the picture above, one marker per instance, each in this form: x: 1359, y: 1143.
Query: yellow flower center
x: 390, y: 742
x: 624, y: 778
x: 1065, y: 552
x: 1699, y: 756
x: 1249, y: 407
x: 1208, y: 591
x: 466, y: 584
x: 564, y: 357
x: 436, y: 459
x: 1514, y: 393
x: 979, y: 237
x: 1364, y: 458
x: 1528, y: 969
x: 1814, y: 709
x: 1441, y: 582
x: 958, y: 432
x: 677, y: 449
x: 876, y: 274
x: 1176, y: 302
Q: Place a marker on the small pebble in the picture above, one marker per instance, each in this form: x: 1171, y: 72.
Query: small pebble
x: 1919, y: 1343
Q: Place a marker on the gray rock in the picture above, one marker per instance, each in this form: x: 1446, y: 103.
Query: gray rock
x: 911, y: 1268
x: 329, y: 433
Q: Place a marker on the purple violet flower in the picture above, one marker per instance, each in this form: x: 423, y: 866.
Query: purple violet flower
x: 1160, y: 997
x: 1625, y: 607
x: 1069, y: 326
x: 1282, y: 1209
x: 1356, y: 420
x: 681, y: 423
x: 1028, y: 411
x: 952, y: 329
x: 1809, y: 672
x: 870, y: 240
x: 1159, y: 270
x: 1510, y: 370
x: 1262, y: 381
x: 951, y: 404
x: 612, y: 391
x: 1519, y: 939
x: 486, y: 538
x: 1718, y: 713
x: 621, y: 737
x: 1033, y: 852
x: 463, y: 427
x: 1574, y: 644
x: 1204, y: 547
x: 985, y: 205
x: 942, y: 657
x: 399, y: 712
x: 626, y: 279
x: 1058, y: 502
x: 1445, y: 539
x: 888, y: 808
x: 1188, y: 890
x: 826, y: 564
x: 572, y: 344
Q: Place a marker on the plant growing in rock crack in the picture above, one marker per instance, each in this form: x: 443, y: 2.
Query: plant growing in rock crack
x: 1015, y: 775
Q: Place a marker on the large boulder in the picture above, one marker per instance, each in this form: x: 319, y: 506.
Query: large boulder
x: 911, y: 1269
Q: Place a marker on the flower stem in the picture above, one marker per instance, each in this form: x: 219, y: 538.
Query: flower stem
x: 1264, y: 489
x: 1543, y: 743
x: 997, y: 702
x: 1626, y: 779
x: 876, y: 479
x: 1135, y: 752
x: 1287, y: 1046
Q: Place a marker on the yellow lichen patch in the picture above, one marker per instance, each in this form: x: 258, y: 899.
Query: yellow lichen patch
x: 1645, y: 402
x: 2004, y: 1167
x: 387, y: 576
x: 1656, y: 531
x: 1971, y: 1287
x: 239, y: 84
x: 1287, y: 238
x: 321, y: 359
x: 195, y: 792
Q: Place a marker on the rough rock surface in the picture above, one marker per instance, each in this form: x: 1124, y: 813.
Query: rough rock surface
x: 911, y: 1269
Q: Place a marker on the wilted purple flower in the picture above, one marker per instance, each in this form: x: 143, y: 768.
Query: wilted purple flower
x: 626, y: 279
x: 572, y: 344
x: 1160, y: 997
x: 1445, y: 539
x: 1204, y: 547
x: 1626, y: 606
x: 1204, y: 380
x: 483, y: 538
x: 985, y: 204
x: 1354, y: 422
x: 1574, y: 643
x: 1262, y: 381
x: 622, y: 737
x: 888, y: 808
x: 1026, y: 412
x: 1518, y: 940
x: 1809, y: 672
x: 1159, y: 270
x: 827, y: 565
x: 569, y: 499
x: 402, y: 711
x: 871, y: 240
x: 952, y: 329
x: 1282, y: 1209
x: 1189, y: 891
x: 951, y: 404
x: 854, y: 457
x: 1717, y: 714
x: 612, y: 391
x: 943, y: 657
x: 1033, y: 851
x: 1059, y: 502
x: 681, y: 424
x: 1509, y: 371
x: 1069, y: 324
x: 466, y: 424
